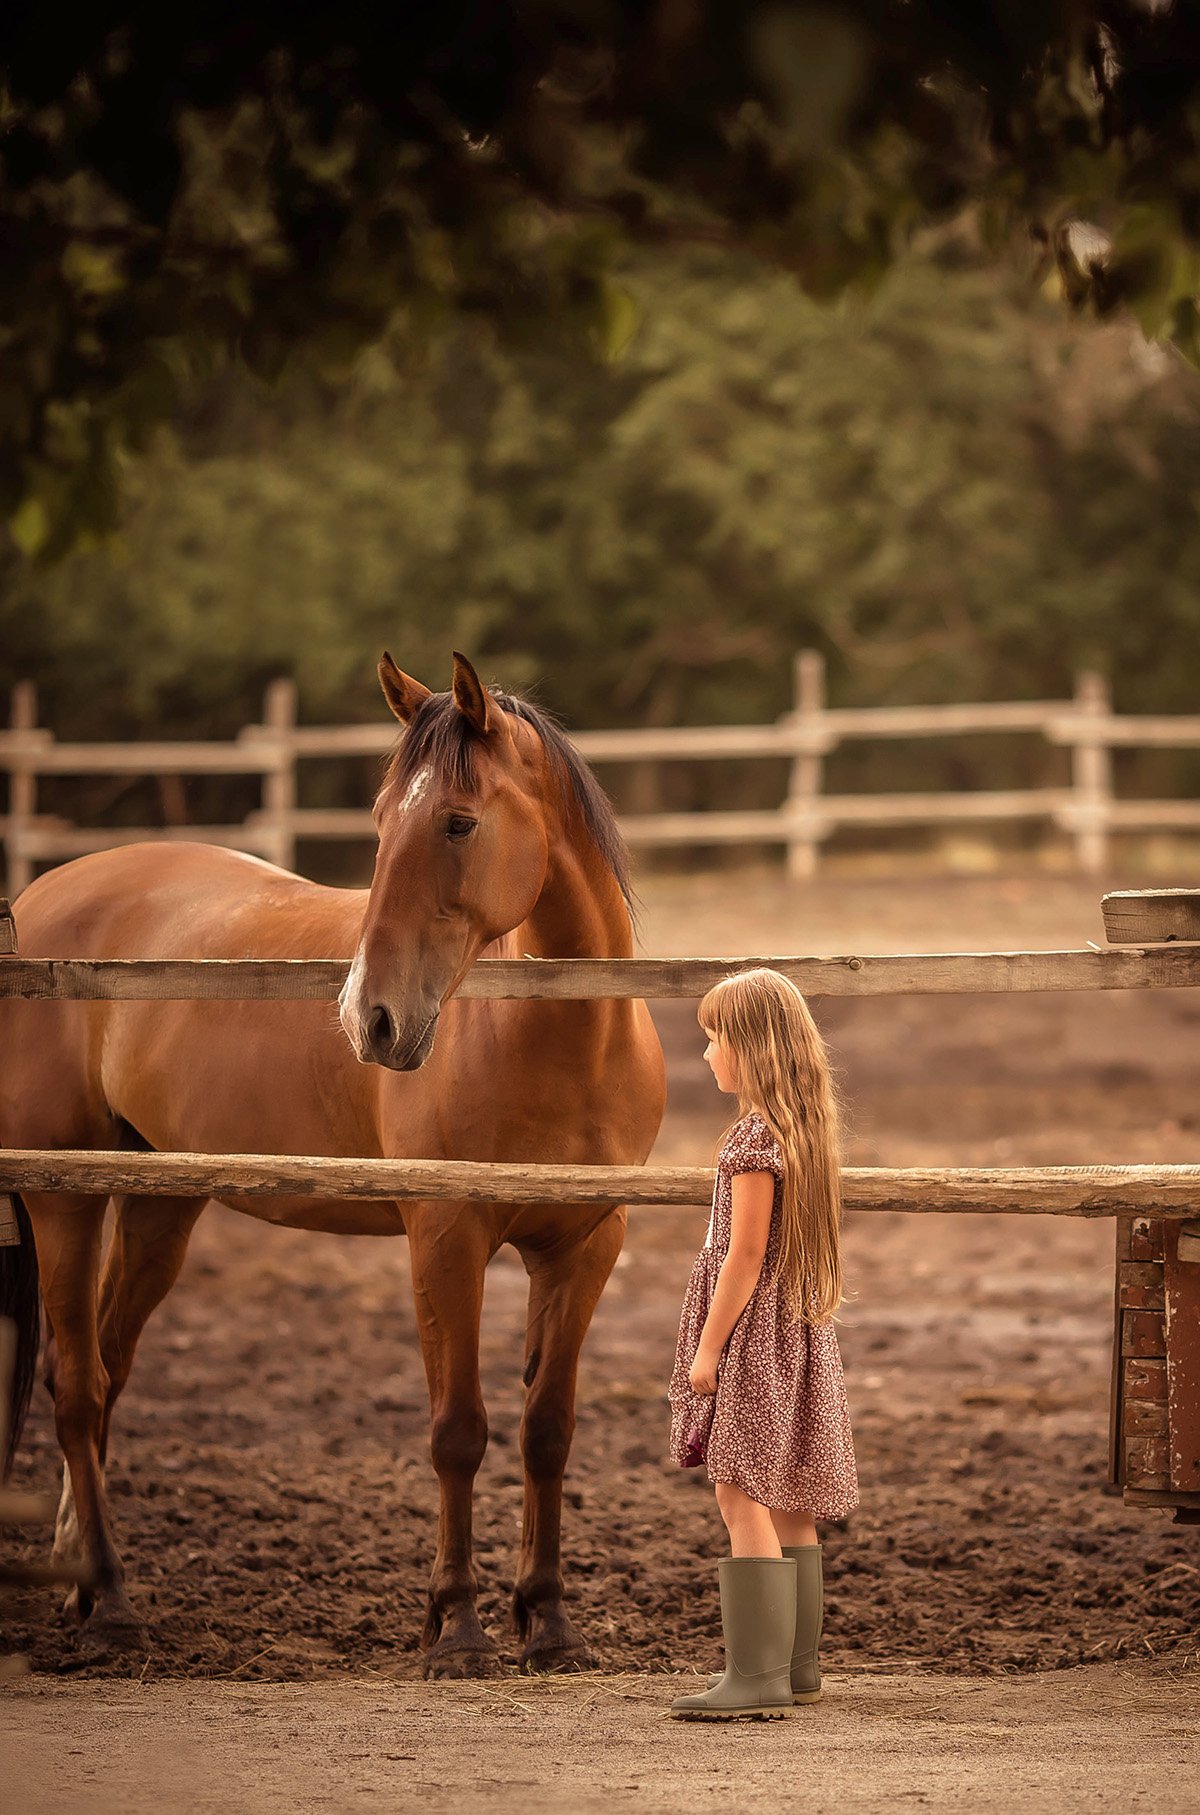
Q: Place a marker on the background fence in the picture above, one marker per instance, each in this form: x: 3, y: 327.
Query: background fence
x: 1085, y: 809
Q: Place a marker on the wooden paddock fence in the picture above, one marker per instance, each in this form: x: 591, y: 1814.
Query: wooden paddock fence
x: 1155, y: 1419
x: 1086, y: 809
x: 1156, y: 925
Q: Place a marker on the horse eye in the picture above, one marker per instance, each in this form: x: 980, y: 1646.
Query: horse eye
x: 459, y: 826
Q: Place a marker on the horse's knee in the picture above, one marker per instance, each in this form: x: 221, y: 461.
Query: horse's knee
x: 546, y: 1434
x: 458, y: 1439
x: 79, y: 1409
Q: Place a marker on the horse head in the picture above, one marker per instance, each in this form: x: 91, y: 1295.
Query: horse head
x: 462, y: 858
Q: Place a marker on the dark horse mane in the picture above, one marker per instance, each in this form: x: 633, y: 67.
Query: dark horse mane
x: 440, y: 737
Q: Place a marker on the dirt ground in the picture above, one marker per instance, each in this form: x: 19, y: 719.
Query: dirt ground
x: 275, y: 1503
x: 1108, y: 1737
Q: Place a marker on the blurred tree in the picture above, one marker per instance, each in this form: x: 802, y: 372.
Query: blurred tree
x: 181, y: 183
x: 950, y: 487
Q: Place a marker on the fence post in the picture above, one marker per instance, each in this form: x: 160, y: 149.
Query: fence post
x: 279, y: 783
x: 1091, y: 773
x: 804, y: 833
x: 22, y: 790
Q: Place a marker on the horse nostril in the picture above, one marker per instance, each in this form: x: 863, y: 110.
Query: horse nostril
x: 379, y: 1029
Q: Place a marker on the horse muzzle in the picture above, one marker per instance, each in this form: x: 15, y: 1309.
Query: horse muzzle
x: 383, y: 1039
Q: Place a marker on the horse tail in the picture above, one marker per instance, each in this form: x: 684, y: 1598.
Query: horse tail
x: 21, y: 1304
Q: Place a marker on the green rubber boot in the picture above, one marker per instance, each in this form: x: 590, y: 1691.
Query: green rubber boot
x: 758, y: 1619
x: 810, y: 1614
x: 810, y: 1617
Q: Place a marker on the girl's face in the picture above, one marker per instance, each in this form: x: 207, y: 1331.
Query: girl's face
x: 720, y: 1063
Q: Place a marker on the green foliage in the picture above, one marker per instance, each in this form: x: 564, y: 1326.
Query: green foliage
x: 949, y: 487
x: 189, y: 185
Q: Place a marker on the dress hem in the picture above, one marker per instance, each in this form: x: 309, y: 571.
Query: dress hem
x: 815, y: 1512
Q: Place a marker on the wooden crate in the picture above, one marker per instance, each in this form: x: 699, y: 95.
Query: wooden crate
x: 1155, y: 1426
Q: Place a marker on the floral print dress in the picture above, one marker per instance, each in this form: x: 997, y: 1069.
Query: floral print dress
x: 778, y: 1425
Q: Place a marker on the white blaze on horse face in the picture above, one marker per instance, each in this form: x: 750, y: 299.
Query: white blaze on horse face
x: 350, y: 1002
x: 418, y: 786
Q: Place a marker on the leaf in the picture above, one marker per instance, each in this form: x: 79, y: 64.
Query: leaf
x: 29, y: 526
x: 91, y: 270
x: 619, y: 318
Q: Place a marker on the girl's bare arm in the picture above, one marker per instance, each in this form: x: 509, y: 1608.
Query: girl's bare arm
x: 753, y: 1200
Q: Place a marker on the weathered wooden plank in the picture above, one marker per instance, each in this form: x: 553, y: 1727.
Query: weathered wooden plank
x: 1154, y: 815
x: 1143, y: 1333
x: 591, y: 979
x: 1145, y: 1239
x: 774, y: 825
x: 1140, y: 1285
x: 1151, y: 916
x: 47, y: 839
x: 680, y: 742
x: 1182, y: 1278
x: 1116, y: 1388
x: 1145, y: 1418
x: 945, y: 720
x: 324, y: 822
x: 8, y: 930
x: 1172, y: 731
x: 1146, y: 1463
x: 185, y: 979
x: 1145, y: 1378
x: 1083, y: 1191
x: 10, y: 1235
x: 22, y: 786
x: 46, y: 757
x: 1164, y: 1497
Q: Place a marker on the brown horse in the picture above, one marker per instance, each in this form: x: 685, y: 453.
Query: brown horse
x: 494, y: 839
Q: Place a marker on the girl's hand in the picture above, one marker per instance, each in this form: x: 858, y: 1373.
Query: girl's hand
x: 703, y: 1375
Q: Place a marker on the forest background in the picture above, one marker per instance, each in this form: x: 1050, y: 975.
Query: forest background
x: 949, y: 485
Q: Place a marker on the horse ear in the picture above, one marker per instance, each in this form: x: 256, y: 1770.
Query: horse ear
x: 401, y: 692
x: 472, y: 697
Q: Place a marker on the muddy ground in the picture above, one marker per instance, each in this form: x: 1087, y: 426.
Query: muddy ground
x: 271, y: 1484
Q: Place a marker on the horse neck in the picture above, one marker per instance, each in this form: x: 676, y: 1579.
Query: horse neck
x: 581, y: 912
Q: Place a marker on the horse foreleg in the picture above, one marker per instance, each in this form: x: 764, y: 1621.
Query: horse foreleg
x: 448, y: 1262
x: 564, y: 1286
x: 68, y: 1231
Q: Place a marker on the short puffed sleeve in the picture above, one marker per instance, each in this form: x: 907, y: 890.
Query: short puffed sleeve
x: 752, y: 1147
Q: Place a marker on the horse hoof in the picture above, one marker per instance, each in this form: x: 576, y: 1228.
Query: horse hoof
x: 76, y: 1605
x: 460, y: 1663
x: 556, y: 1660
x: 118, y: 1635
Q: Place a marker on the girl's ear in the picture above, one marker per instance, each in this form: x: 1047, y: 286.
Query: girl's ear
x: 401, y: 692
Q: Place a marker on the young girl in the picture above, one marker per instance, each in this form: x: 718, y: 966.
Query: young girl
x: 757, y: 1392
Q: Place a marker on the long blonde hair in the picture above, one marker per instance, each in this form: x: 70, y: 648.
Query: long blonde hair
x: 781, y: 1069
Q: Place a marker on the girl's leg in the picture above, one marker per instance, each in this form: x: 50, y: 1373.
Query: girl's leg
x: 750, y: 1526
x: 794, y: 1528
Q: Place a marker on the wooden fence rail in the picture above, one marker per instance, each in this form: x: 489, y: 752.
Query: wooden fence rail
x: 1085, y: 808
x: 1081, y: 1191
x: 597, y: 979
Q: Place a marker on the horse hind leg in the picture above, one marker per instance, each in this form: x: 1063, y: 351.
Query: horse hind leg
x: 149, y: 1243
x: 68, y: 1231
x: 148, y: 1249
